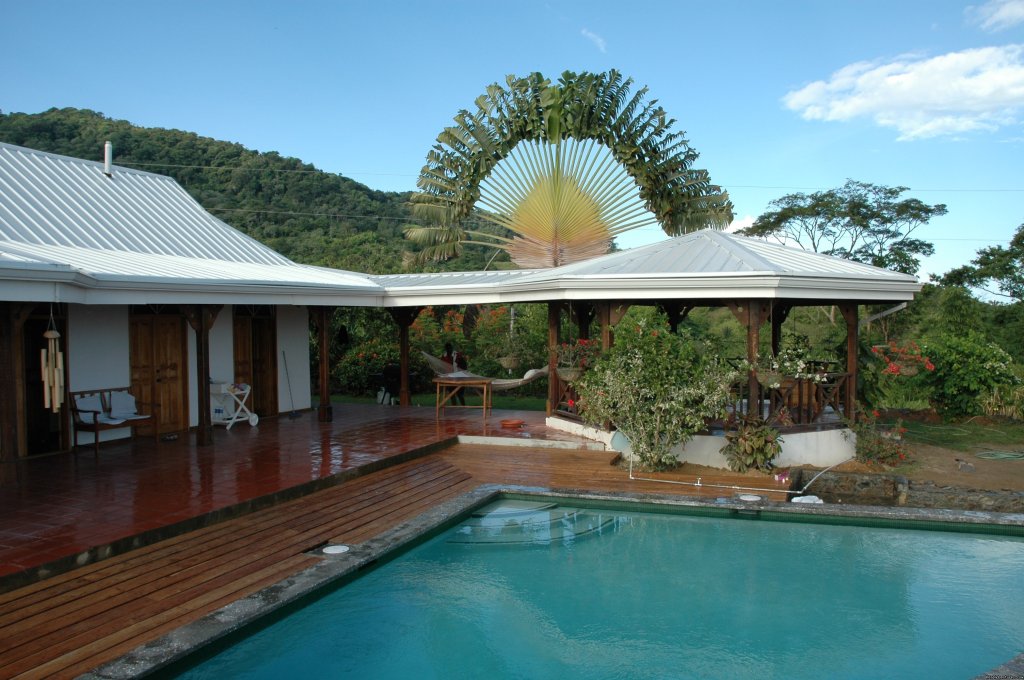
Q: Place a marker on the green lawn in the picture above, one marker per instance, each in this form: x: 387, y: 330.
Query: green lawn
x: 968, y: 436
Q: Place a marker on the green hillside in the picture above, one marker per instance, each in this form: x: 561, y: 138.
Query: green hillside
x: 308, y: 215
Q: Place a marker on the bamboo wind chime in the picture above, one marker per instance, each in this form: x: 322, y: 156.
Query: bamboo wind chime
x: 52, y: 362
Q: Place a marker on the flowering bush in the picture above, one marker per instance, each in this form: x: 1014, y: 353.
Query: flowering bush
x: 580, y: 354
x: 902, y: 360
x: 355, y: 372
x: 790, y: 362
x: 876, y: 443
x: 658, y: 389
x: 967, y: 368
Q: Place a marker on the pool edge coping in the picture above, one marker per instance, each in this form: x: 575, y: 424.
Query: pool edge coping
x: 192, y: 637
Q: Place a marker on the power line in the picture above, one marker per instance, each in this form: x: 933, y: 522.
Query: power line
x: 725, y: 185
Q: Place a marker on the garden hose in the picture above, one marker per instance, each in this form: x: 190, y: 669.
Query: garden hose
x: 1000, y: 455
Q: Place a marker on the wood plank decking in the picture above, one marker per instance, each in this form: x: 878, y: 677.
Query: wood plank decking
x: 69, y: 624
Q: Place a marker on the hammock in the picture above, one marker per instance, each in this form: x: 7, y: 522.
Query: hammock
x: 441, y: 367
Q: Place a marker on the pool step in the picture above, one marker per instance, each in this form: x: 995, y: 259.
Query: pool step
x: 508, y: 522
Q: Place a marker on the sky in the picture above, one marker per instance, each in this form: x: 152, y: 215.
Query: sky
x: 777, y: 97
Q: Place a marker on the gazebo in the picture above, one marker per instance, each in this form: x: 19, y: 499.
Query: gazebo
x: 759, y: 282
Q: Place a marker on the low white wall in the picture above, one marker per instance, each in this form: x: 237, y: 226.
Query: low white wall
x: 97, y: 355
x: 820, y: 449
x: 293, y: 346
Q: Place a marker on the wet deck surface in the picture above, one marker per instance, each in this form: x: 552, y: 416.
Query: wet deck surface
x: 69, y: 623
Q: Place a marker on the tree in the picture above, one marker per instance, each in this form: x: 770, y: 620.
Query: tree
x: 858, y: 221
x: 997, y: 265
x: 573, y: 209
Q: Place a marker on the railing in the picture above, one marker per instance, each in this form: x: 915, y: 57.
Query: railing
x: 799, y: 401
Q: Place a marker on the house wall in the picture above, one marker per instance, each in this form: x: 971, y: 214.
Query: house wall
x: 222, y: 360
x: 97, y: 354
x: 293, y: 343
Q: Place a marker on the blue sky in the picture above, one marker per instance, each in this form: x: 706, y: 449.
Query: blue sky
x: 777, y: 97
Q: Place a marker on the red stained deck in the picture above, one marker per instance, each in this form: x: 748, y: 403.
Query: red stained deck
x: 232, y: 520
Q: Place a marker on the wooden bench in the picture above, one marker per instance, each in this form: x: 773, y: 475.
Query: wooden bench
x: 112, y: 408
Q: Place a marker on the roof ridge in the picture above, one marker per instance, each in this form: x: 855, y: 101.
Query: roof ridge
x: 82, y: 161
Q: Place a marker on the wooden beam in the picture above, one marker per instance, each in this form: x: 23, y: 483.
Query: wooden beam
x: 554, y: 322
x: 404, y: 317
x: 676, y: 312
x: 201, y: 319
x: 322, y: 319
x: 849, y: 312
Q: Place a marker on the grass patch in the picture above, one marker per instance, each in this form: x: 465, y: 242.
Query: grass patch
x: 967, y: 436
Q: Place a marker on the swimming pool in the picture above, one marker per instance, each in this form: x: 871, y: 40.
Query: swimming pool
x: 606, y: 593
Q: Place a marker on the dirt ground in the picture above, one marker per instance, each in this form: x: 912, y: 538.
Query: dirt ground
x: 940, y: 466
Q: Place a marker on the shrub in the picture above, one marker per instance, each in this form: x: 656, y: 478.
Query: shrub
x: 876, y: 443
x: 355, y: 372
x: 657, y: 388
x: 966, y: 367
x: 752, y: 444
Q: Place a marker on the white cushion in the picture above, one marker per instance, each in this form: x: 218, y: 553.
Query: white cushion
x: 122, y: 405
x: 88, y: 403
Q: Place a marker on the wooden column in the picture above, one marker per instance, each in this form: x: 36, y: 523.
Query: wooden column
x: 404, y: 317
x: 849, y: 312
x: 325, y: 411
x: 13, y: 437
x: 554, y: 322
x: 751, y: 314
x: 201, y: 318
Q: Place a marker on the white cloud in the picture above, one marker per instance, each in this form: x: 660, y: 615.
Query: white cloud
x: 996, y: 15
x: 596, y: 39
x: 976, y: 89
x: 741, y: 223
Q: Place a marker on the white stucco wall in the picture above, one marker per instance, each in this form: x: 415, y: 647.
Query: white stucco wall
x: 293, y: 346
x: 820, y: 449
x: 97, y: 354
x: 222, y: 359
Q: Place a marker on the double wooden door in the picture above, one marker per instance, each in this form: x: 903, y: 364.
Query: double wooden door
x: 159, y: 368
x: 255, y: 350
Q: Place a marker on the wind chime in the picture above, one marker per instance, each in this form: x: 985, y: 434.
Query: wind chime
x: 52, y: 361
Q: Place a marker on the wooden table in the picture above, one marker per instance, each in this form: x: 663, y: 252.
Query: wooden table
x: 450, y: 385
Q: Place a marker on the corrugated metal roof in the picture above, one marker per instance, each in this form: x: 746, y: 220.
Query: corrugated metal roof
x: 450, y: 279
x: 112, y: 265
x: 711, y: 252
x: 47, y: 199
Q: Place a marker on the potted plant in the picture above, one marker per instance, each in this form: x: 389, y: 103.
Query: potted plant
x: 576, y: 357
x: 753, y: 444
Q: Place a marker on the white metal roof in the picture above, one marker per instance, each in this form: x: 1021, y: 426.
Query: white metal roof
x: 70, y: 232
x: 704, y: 265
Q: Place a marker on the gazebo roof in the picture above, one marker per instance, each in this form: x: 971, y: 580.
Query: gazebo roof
x: 703, y: 265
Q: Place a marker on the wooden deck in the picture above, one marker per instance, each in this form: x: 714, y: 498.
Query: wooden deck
x: 71, y: 623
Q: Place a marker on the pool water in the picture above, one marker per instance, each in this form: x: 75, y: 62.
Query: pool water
x: 563, y: 593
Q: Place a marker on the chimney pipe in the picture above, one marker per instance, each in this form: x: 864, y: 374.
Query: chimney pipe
x: 108, y: 155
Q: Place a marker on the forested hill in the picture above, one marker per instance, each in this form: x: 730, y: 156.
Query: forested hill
x: 308, y: 215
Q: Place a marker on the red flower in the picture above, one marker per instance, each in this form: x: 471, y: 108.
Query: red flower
x: 875, y: 413
x: 572, y: 403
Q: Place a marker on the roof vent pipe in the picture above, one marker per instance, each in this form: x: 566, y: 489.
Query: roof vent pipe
x: 108, y: 155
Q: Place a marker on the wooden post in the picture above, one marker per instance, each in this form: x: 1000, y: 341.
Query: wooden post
x: 13, y: 437
x: 554, y: 322
x: 325, y: 411
x: 404, y: 317
x: 201, y: 318
x: 753, y: 348
x: 676, y: 311
x: 849, y: 312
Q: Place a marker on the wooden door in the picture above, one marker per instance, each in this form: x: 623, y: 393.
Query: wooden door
x: 159, y: 369
x: 264, y: 365
x: 255, y: 347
